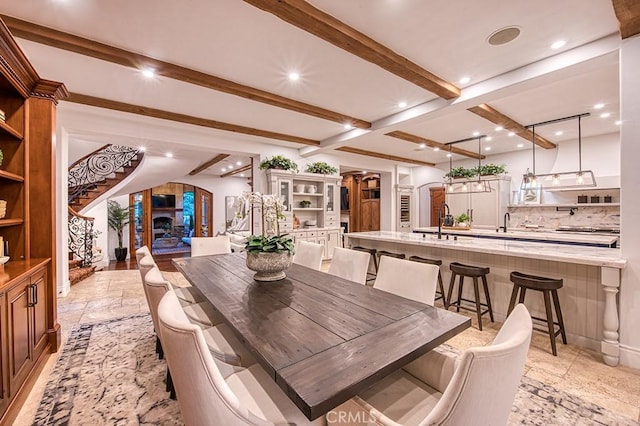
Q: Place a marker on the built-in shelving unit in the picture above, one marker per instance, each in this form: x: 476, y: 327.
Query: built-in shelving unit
x: 28, y: 292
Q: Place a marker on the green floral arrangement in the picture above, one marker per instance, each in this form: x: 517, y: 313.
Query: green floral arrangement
x: 491, y: 169
x: 463, y: 218
x: 270, y: 244
x: 461, y: 172
x: 321, y: 167
x: 278, y: 162
x: 305, y: 203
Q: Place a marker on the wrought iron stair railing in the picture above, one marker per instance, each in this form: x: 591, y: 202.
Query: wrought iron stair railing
x: 81, y: 237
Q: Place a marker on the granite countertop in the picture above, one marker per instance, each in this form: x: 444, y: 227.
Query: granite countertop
x: 525, y: 234
x: 598, y: 256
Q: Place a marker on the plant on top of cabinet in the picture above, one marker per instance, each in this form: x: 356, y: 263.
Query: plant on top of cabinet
x: 491, y: 169
x: 460, y: 172
x: 321, y: 167
x: 278, y: 162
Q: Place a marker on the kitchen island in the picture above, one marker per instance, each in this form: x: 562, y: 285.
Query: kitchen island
x: 591, y: 277
x: 531, y: 235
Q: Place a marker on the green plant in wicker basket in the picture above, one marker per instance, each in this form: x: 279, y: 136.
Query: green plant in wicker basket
x: 491, y: 169
x: 278, y: 162
x: 321, y: 167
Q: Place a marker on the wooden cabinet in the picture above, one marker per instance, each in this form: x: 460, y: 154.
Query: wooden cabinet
x: 28, y: 318
x: 364, y: 202
x: 370, y: 215
x: 486, y: 209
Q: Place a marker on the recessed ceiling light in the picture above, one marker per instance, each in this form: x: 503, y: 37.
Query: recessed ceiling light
x: 169, y: 155
x: 241, y: 174
x: 598, y: 106
x: 230, y: 166
x: 224, y: 169
x: 558, y: 44
x: 293, y: 76
x: 464, y: 80
x: 402, y: 104
x: 559, y: 133
x: 348, y: 126
x: 423, y: 145
x: 364, y: 172
x: 511, y: 134
x: 142, y: 148
x: 148, y: 73
x: 503, y: 36
x: 448, y: 155
x: 619, y: 122
x: 520, y: 145
x: 476, y: 133
x: 499, y: 129
x: 605, y: 115
x: 487, y: 148
x: 488, y: 138
x: 436, y: 149
x: 239, y: 163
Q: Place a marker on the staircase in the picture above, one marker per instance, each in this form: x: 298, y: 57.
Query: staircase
x: 89, y: 178
x: 98, y: 172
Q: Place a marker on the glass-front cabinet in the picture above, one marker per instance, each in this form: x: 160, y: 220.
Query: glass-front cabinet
x: 311, y: 207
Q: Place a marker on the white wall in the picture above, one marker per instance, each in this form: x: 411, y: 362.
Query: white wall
x: 80, y: 148
x: 104, y: 240
x: 630, y: 202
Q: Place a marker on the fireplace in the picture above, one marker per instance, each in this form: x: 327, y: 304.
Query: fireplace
x: 162, y: 225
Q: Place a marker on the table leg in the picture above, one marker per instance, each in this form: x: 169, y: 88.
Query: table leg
x: 610, y: 345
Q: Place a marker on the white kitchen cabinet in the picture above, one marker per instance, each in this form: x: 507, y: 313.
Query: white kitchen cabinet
x: 311, y: 207
x: 404, y: 205
x: 486, y: 209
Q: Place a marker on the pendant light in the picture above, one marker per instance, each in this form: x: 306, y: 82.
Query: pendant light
x: 558, y: 180
x: 466, y: 187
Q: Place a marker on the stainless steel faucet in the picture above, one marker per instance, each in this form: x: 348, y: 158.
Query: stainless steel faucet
x: 506, y: 216
x: 440, y: 217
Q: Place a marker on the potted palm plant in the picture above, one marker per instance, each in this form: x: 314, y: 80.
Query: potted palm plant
x: 118, y: 218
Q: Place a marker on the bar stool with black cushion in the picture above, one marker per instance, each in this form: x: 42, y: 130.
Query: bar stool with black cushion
x: 440, y: 294
x: 548, y: 286
x: 374, y: 255
x: 474, y: 272
x: 390, y: 254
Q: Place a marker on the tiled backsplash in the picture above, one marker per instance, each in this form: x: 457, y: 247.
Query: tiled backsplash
x: 550, y: 218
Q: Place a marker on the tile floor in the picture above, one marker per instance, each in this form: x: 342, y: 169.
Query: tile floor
x: 581, y: 372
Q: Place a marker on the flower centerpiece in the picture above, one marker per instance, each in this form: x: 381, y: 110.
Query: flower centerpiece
x: 270, y: 253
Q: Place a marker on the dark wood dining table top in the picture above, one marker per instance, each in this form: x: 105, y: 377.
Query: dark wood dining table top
x: 322, y: 338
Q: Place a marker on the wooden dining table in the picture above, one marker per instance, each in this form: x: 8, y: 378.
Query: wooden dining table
x: 322, y: 338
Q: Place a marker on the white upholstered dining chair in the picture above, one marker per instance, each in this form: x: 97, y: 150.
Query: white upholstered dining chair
x: 209, y: 393
x: 477, y: 388
x: 412, y: 280
x: 220, y: 340
x: 207, y: 246
x: 349, y: 264
x: 308, y: 254
x: 142, y: 252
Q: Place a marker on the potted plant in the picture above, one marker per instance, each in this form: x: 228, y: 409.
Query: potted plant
x: 270, y: 253
x: 278, y: 162
x: 463, y: 220
x: 321, y: 167
x: 461, y: 172
x: 118, y: 218
x: 491, y: 169
x: 305, y: 203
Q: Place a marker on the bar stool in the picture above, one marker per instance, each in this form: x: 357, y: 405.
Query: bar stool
x: 438, y: 263
x: 373, y: 252
x: 523, y: 282
x: 390, y: 254
x: 458, y: 269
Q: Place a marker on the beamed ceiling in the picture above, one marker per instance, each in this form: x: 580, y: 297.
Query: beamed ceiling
x: 391, y: 70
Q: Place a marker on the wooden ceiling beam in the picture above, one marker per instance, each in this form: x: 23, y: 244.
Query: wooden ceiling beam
x: 496, y: 117
x: 182, y: 118
x: 215, y: 160
x: 398, y: 134
x: 105, y: 52
x: 628, y: 14
x: 383, y: 156
x: 237, y: 171
x: 322, y: 25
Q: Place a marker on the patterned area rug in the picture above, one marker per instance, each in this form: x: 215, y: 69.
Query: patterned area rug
x: 108, y: 374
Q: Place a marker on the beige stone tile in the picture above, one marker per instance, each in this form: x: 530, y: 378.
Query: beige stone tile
x: 540, y: 355
x: 140, y: 300
x: 69, y: 307
x: 133, y: 293
x: 125, y: 285
x: 104, y: 303
x: 105, y: 314
x: 87, y: 297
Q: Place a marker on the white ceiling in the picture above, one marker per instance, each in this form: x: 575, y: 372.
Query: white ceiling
x: 524, y: 79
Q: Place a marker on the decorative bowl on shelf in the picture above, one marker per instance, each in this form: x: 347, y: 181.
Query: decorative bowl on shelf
x: 4, y: 259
